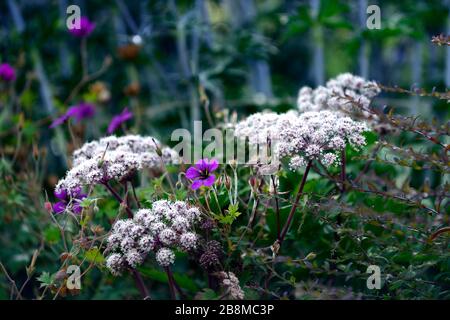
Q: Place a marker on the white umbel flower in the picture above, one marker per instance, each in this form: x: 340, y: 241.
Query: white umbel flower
x: 113, y: 158
x: 188, y: 241
x: 162, y: 229
x: 317, y: 135
x: 165, y: 257
x: 302, y: 137
x: 334, y: 96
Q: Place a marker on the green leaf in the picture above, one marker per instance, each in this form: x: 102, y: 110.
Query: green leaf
x: 232, y: 214
x: 95, y: 256
x: 52, y: 234
x: 183, y: 280
x: 46, y: 279
x: 206, y: 294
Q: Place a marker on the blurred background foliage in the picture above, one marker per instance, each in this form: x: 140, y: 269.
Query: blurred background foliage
x: 172, y: 62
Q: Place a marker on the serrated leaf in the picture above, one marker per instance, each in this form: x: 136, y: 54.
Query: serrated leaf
x: 95, y: 256
x: 46, y: 279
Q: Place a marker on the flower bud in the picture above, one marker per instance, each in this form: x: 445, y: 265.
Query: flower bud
x: 48, y: 206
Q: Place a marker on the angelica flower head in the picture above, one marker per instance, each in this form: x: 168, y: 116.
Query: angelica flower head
x: 163, y: 229
x: 317, y: 135
x: 302, y: 137
x: 113, y: 158
x: 259, y: 128
x: 334, y: 96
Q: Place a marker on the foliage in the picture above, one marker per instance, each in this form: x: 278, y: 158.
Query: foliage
x: 391, y: 210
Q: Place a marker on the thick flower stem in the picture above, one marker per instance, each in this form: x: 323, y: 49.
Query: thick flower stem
x: 171, y: 283
x: 277, y: 207
x: 135, y: 195
x: 343, y: 173
x: 294, y: 206
x: 140, y: 285
x: 119, y: 199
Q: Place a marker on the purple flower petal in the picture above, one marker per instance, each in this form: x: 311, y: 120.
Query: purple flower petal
x: 208, y: 182
x: 213, y: 165
x: 85, y: 29
x: 201, y: 173
x: 61, y: 194
x: 59, y: 207
x: 79, y: 112
x: 59, y: 121
x: 83, y: 111
x: 77, y: 193
x: 196, y: 184
x: 7, y: 73
x: 192, y: 173
x: 202, y: 165
x: 76, y: 208
x: 117, y: 121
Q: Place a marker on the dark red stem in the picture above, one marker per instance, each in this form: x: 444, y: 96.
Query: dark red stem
x: 119, y: 199
x: 343, y: 174
x: 294, y: 206
x: 171, y: 283
x: 140, y: 284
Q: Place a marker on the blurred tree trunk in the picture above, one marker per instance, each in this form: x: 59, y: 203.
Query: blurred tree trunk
x: 242, y: 14
x: 203, y: 16
x: 64, y: 54
x: 363, y: 52
x: 184, y: 61
x: 376, y: 61
x: 318, y: 49
x: 58, y: 145
x: 16, y: 16
x: 127, y: 16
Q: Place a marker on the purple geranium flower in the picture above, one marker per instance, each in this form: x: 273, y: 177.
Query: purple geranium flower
x: 86, y: 27
x: 64, y: 197
x: 79, y: 112
x: 201, y: 173
x: 119, y: 119
x: 7, y: 72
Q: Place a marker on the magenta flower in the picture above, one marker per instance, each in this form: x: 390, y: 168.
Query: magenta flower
x: 86, y: 27
x: 201, y: 173
x: 119, y: 119
x: 64, y: 197
x: 79, y: 112
x: 7, y: 73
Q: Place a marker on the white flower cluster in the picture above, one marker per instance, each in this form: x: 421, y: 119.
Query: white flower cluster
x: 261, y: 126
x: 231, y: 283
x: 115, y: 158
x: 313, y: 135
x: 317, y: 136
x: 257, y: 127
x: 167, y: 226
x: 331, y: 96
